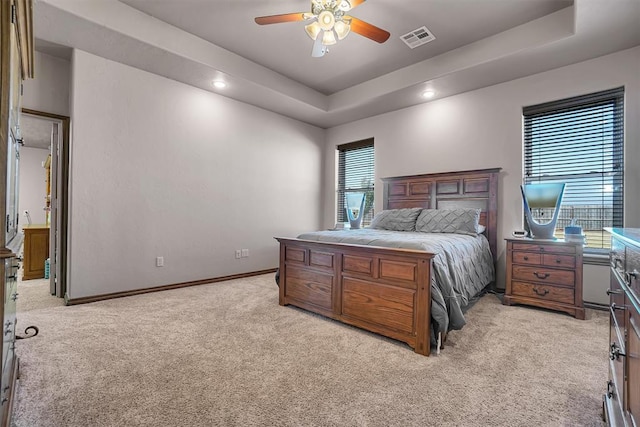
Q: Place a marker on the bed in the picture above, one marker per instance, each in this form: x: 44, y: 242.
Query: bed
x: 387, y: 282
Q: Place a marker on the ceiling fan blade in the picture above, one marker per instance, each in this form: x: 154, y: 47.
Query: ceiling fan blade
x: 355, y: 3
x: 369, y: 31
x: 285, y: 17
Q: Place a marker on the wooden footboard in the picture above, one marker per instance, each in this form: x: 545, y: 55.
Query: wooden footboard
x: 382, y: 290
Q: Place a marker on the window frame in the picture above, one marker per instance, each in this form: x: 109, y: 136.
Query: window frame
x: 342, y: 149
x: 613, y: 151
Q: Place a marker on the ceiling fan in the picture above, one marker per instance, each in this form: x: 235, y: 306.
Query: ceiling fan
x: 328, y: 23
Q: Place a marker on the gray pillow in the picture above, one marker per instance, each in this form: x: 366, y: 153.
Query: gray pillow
x: 396, y: 219
x: 461, y: 221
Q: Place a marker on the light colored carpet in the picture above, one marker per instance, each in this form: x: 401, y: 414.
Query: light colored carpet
x: 34, y: 294
x: 227, y: 354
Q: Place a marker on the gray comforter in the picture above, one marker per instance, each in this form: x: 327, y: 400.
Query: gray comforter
x: 462, y: 266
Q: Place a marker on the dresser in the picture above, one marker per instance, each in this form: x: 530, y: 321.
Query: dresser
x: 545, y: 273
x: 36, y: 251
x: 621, y: 402
x: 9, y: 269
x: 16, y: 57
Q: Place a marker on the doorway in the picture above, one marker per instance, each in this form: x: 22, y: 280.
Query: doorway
x: 44, y: 209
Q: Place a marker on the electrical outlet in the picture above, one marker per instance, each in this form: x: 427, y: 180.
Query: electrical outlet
x: 245, y: 253
x: 238, y: 253
x: 159, y: 261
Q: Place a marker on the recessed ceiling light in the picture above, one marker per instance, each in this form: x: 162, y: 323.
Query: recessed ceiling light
x: 428, y: 94
x: 219, y: 84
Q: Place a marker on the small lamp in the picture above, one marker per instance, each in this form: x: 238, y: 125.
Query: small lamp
x: 354, y: 203
x: 547, y: 195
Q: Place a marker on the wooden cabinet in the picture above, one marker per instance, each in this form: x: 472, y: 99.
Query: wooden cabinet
x: 546, y: 274
x: 621, y: 402
x: 16, y: 57
x: 36, y: 251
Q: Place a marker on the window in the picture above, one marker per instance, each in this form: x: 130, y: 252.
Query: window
x: 580, y: 141
x: 356, y: 174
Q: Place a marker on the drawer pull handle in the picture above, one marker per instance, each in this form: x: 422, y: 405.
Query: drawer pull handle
x: 614, y: 352
x: 615, y: 306
x: 526, y: 258
x: 541, y: 275
x: 610, y: 389
x: 34, y: 330
x: 541, y: 293
x: 616, y: 292
x: 558, y: 260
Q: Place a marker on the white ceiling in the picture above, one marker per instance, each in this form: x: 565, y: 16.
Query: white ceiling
x: 286, y: 49
x: 478, y: 43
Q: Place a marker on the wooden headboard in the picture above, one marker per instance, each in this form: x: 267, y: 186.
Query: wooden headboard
x: 450, y: 190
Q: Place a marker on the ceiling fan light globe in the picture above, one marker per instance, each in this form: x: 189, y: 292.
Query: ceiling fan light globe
x: 319, y: 49
x: 313, y: 30
x: 326, y: 20
x: 342, y: 29
x: 329, y: 38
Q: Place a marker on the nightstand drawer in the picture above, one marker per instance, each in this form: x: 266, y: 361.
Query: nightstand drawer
x: 542, y: 248
x: 545, y: 292
x: 541, y: 274
x: 532, y: 258
x: 553, y: 260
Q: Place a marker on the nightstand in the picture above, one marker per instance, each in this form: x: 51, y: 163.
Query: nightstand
x: 545, y: 273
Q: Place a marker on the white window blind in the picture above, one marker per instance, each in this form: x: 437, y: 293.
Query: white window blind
x: 580, y: 141
x: 356, y: 174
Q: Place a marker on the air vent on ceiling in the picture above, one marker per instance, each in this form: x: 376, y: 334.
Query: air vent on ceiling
x: 418, y: 37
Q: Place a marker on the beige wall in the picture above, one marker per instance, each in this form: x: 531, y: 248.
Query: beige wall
x: 483, y: 129
x: 49, y: 90
x: 200, y: 175
x: 33, y: 189
x: 159, y: 168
